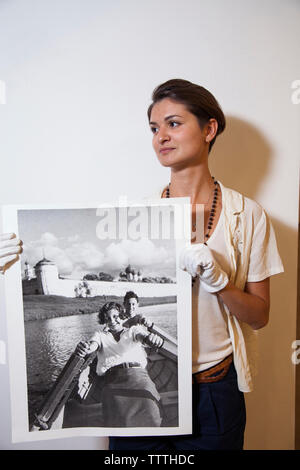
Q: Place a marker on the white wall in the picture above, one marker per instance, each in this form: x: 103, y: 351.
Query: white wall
x: 79, y: 75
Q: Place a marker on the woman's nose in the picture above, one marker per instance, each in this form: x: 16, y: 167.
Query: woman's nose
x: 163, y: 136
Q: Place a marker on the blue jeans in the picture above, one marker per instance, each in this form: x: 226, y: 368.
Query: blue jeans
x: 219, y: 419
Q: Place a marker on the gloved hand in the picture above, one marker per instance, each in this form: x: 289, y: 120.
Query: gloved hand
x: 10, y: 248
x: 198, y: 260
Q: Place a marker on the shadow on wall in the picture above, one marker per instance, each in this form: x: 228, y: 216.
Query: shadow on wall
x: 272, y: 404
x: 241, y: 159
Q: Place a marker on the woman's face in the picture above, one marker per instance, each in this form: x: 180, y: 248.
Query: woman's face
x: 131, y: 306
x: 113, y: 320
x: 177, y: 137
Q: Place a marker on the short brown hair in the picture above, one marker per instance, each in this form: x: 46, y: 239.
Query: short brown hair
x: 102, y: 315
x: 197, y: 99
x: 129, y: 295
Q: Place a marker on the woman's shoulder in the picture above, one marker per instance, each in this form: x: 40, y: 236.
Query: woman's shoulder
x: 249, y: 206
x: 97, y: 336
x: 253, y: 206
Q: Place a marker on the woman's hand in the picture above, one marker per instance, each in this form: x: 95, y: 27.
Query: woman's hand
x: 10, y: 248
x: 85, y: 347
x: 250, y: 306
x: 198, y: 260
x: 153, y: 340
x: 138, y: 319
x: 144, y: 321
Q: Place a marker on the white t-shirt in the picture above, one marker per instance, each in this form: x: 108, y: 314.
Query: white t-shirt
x: 211, y: 339
x: 127, y: 349
x: 244, y: 233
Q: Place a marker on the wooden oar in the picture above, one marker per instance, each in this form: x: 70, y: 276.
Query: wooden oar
x: 60, y: 392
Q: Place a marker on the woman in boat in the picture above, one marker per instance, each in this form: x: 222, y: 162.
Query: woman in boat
x: 230, y: 263
x: 129, y: 397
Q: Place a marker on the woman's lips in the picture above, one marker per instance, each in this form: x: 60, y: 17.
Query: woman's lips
x: 166, y: 150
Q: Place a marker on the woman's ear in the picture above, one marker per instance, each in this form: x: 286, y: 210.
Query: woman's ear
x: 211, y: 130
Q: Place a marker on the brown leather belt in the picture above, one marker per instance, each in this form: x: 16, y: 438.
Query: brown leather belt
x: 213, y: 374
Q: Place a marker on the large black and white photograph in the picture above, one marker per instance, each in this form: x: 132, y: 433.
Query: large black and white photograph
x: 104, y: 311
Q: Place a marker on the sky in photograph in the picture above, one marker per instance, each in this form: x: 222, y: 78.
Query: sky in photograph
x: 73, y: 239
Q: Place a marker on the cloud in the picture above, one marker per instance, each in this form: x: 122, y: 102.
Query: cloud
x: 142, y: 254
x: 85, y: 256
x: 48, y: 238
x: 47, y: 247
x: 73, y: 238
x: 116, y: 256
x: 78, y: 257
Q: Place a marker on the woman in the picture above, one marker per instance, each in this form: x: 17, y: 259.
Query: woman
x: 230, y: 266
x: 129, y: 396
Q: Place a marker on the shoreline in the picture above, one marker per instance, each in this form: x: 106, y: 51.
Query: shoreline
x: 45, y: 307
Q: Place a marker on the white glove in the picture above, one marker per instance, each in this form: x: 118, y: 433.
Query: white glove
x: 198, y: 260
x: 10, y: 248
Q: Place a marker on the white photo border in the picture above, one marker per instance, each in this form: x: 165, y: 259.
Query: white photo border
x: 16, y: 333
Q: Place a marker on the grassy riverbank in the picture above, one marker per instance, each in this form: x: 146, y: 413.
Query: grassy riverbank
x: 42, y: 307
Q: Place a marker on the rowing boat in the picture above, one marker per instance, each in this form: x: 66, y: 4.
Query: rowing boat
x: 75, y: 398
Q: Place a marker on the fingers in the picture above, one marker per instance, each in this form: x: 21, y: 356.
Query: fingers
x: 10, y: 250
x: 82, y: 349
x: 160, y: 342
x: 7, y: 236
x: 183, y: 259
x: 188, y: 262
x: 195, y: 258
x: 7, y: 262
x: 155, y: 340
x: 9, y: 245
x: 145, y: 321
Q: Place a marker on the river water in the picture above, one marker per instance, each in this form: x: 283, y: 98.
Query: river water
x: 49, y: 344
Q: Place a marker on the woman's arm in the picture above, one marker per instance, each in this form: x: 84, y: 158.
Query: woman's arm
x: 251, y: 305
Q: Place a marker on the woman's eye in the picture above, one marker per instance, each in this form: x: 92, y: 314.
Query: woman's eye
x: 173, y: 124
x: 153, y: 130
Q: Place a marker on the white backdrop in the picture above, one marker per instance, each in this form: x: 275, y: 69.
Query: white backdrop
x: 78, y: 77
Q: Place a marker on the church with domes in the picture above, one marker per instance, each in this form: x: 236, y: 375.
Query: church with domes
x: 131, y: 275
